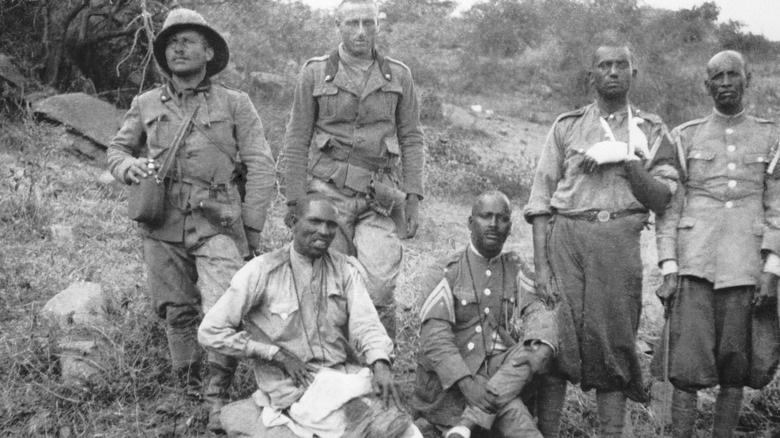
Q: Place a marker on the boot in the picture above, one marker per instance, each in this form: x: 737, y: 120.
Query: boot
x: 612, y: 409
x: 549, y: 405
x: 216, y: 393
x: 683, y: 413
x: 189, y: 386
x: 727, y: 412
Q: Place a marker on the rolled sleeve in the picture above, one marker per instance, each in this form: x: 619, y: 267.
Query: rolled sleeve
x: 127, y: 143
x: 549, y: 172
x: 540, y: 324
x: 256, y: 154
x: 297, y: 138
x: 666, y: 227
x: 437, y: 344
x: 219, y: 329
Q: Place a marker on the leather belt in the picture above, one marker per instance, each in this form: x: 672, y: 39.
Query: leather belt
x: 602, y: 215
x: 339, y: 152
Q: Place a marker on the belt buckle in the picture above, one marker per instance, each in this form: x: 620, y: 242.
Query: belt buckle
x: 603, y: 216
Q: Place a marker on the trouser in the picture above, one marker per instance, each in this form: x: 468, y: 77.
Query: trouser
x: 598, y: 267
x: 709, y: 342
x: 373, y: 239
x: 506, y: 381
x: 183, y: 281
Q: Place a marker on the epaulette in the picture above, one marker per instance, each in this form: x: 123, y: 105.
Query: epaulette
x: 332, y: 67
x: 316, y: 58
x: 690, y: 123
x: 576, y: 113
x: 450, y: 260
x: 224, y: 85
x: 760, y: 120
x: 395, y: 61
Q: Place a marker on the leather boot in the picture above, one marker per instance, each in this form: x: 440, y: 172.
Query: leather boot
x: 727, y: 408
x: 216, y: 392
x: 612, y: 409
x: 549, y: 405
x: 190, y: 379
x: 683, y: 413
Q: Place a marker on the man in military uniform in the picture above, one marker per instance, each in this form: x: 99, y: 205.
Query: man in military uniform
x: 194, y: 251
x: 476, y: 360
x: 602, y: 168
x: 718, y: 246
x: 354, y: 119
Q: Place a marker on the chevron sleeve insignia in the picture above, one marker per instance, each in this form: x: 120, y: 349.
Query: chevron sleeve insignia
x: 439, y: 304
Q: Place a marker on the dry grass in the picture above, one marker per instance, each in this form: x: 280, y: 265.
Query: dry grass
x: 42, y: 187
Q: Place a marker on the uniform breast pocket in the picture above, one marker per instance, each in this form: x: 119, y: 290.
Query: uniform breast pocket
x: 326, y: 96
x: 466, y: 311
x: 282, y: 311
x: 159, y: 130
x: 337, y: 310
x: 700, y: 164
x: 391, y: 95
x: 756, y: 165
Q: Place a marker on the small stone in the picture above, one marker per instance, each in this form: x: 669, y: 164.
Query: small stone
x: 62, y: 233
x: 82, y: 302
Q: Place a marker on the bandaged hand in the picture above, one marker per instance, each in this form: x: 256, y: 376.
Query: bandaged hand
x: 605, y: 152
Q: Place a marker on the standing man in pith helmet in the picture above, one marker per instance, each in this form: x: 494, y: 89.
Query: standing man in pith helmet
x: 207, y: 229
x: 354, y: 136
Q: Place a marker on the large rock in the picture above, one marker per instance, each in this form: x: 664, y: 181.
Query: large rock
x: 81, y: 303
x: 10, y: 73
x: 90, y: 117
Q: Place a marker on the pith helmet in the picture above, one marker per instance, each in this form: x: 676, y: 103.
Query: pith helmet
x: 183, y: 19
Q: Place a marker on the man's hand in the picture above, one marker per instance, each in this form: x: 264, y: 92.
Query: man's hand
x: 138, y: 169
x: 589, y: 164
x: 253, y: 239
x: 412, y: 214
x: 476, y: 394
x: 668, y: 288
x: 766, y: 293
x: 294, y: 367
x: 383, y: 384
x: 537, y: 356
x: 546, y: 288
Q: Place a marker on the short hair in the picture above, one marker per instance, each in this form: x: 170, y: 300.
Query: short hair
x: 356, y: 2
x: 595, y: 57
x: 730, y: 53
x: 489, y: 194
x: 302, y: 204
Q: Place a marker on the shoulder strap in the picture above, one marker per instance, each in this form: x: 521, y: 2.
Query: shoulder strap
x: 178, y: 140
x: 220, y: 146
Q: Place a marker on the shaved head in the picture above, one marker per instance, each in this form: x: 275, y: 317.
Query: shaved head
x: 726, y: 57
x: 484, y: 197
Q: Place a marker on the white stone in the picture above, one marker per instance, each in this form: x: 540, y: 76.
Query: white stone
x: 81, y: 303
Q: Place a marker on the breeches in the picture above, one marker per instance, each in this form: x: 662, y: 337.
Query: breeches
x: 710, y: 335
x: 598, y: 268
x: 185, y: 281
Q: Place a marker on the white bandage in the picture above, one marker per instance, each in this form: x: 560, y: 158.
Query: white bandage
x: 608, y: 152
x: 669, y: 267
x: 772, y: 264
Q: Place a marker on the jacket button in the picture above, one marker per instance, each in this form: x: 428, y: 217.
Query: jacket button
x: 487, y: 310
x: 478, y: 329
x: 729, y: 204
x: 729, y: 131
x: 487, y: 292
x: 731, y: 148
x: 470, y: 346
x: 732, y: 183
x: 463, y: 302
x: 488, y: 273
x: 732, y: 166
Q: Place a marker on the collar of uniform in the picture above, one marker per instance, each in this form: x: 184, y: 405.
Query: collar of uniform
x: 618, y: 115
x: 354, y: 61
x: 478, y: 256
x: 727, y: 118
x: 169, y: 91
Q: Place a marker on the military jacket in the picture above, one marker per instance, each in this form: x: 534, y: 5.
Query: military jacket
x: 382, y: 122
x: 728, y: 209
x: 561, y: 185
x: 479, y: 301
x: 224, y: 115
